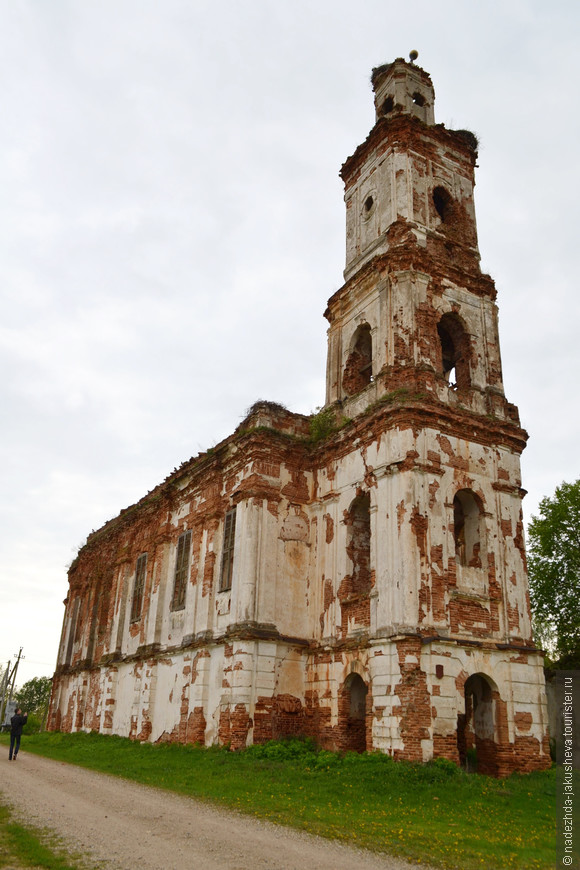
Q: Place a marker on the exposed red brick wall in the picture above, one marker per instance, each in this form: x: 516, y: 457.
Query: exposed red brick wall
x: 234, y: 726
x: 414, y: 709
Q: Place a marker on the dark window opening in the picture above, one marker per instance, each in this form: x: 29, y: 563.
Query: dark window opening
x: 454, y: 344
x: 467, y: 532
x: 358, y: 371
x: 418, y: 99
x: 227, y: 567
x: 139, y: 587
x: 443, y: 204
x: 369, y: 202
x: 388, y: 106
x: 181, y: 571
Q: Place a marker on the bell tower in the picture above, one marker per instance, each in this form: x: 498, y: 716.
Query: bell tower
x: 414, y: 363
x: 415, y: 311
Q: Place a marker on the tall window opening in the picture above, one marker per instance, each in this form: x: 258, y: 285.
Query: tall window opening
x: 358, y: 371
x: 139, y: 587
x: 443, y: 203
x: 181, y: 571
x: 227, y: 566
x: 467, y: 531
x: 454, y: 346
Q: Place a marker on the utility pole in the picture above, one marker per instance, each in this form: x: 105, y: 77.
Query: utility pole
x: 11, y: 683
x: 3, y: 690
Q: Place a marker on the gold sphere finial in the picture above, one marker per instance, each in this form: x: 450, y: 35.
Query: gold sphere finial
x: 413, y: 55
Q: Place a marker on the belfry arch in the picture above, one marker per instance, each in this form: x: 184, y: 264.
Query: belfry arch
x: 454, y: 350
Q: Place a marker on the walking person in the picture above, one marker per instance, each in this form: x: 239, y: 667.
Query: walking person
x: 17, y: 723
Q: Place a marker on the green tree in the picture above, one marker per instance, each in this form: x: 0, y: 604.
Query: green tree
x: 554, y: 571
x: 34, y: 696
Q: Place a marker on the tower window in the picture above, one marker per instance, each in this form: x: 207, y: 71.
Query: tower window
x: 227, y: 568
x: 443, y: 203
x: 181, y: 571
x: 369, y: 202
x: 454, y: 343
x: 467, y: 519
x: 358, y: 371
x: 418, y: 99
x: 388, y: 106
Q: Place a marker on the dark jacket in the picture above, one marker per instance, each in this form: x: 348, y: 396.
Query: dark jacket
x: 17, y: 723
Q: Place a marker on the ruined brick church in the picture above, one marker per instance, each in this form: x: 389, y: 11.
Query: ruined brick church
x: 358, y: 576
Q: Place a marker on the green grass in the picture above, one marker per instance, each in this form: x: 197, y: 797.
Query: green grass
x: 23, y: 847
x: 432, y: 813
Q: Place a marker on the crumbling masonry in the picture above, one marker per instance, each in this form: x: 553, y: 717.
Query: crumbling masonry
x: 358, y: 576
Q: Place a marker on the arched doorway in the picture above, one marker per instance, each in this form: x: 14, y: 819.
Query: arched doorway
x: 477, y: 726
x: 352, y: 710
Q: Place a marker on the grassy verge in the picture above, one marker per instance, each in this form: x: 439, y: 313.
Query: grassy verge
x: 22, y: 847
x: 430, y: 813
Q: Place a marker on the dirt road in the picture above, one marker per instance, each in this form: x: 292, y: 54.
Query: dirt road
x: 124, y: 825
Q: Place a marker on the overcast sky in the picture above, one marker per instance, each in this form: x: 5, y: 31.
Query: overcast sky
x: 172, y: 225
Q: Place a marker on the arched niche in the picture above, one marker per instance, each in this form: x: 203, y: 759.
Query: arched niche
x: 468, y: 529
x: 359, y: 544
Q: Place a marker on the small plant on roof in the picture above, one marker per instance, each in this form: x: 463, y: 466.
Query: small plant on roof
x: 322, y: 424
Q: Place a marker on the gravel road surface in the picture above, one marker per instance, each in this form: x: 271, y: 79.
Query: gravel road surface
x: 122, y: 825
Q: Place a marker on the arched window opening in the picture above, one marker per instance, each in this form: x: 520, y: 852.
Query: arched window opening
x: 418, y: 99
x: 467, y: 529
x: 454, y: 343
x: 359, y: 545
x: 358, y: 371
x: 443, y: 202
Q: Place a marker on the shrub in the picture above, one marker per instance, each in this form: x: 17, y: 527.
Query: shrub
x: 284, y: 750
x: 33, y: 724
x: 322, y: 424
